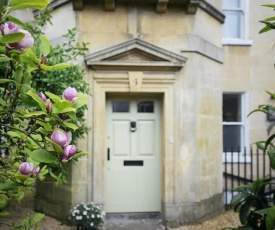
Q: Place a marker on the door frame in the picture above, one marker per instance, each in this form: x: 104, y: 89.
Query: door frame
x: 105, y: 83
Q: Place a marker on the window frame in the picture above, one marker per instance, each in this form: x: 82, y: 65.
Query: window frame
x: 244, y: 131
x: 244, y: 38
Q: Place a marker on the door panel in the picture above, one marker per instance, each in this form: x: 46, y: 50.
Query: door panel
x: 146, y: 137
x: 121, y: 143
x: 133, y: 171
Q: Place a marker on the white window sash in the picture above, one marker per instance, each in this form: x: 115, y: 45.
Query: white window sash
x: 244, y: 39
x: 244, y: 132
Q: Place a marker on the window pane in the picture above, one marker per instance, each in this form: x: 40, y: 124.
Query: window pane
x: 231, y: 4
x: 232, y: 108
x: 232, y: 138
x: 145, y: 106
x: 120, y: 106
x: 232, y: 25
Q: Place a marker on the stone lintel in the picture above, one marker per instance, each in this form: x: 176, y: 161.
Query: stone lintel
x: 161, y: 6
x: 109, y: 5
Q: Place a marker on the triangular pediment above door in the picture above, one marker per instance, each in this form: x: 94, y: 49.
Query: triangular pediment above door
x: 135, y: 54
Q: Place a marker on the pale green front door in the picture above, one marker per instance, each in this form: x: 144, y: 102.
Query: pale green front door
x: 133, y: 156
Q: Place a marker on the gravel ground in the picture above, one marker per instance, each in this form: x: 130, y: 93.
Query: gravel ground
x: 19, y: 211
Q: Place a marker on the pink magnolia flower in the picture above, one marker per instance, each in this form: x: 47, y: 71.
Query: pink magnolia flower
x: 26, y: 42
x: 68, y: 152
x: 42, y: 96
x: 26, y: 168
x: 49, y: 107
x: 10, y: 28
x: 36, y: 171
x: 61, y: 137
x: 70, y: 94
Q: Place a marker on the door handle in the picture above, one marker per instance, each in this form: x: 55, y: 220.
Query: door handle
x: 108, y: 154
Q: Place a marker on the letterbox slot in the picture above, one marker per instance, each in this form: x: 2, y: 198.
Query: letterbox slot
x: 133, y: 163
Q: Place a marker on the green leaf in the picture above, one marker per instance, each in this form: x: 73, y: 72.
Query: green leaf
x: 27, y: 78
x: 29, y: 182
x: 39, y: 101
x: 56, y: 147
x: 18, y: 74
x: 37, y: 217
x: 81, y: 101
x: 53, y: 97
x: 26, y: 98
x: 2, y: 81
x: 260, y: 145
x: 11, y: 38
x: 70, y: 125
x: 269, y: 24
x: 44, y: 46
x: 269, y: 5
x: 271, y: 155
x: 78, y: 155
x: 4, y: 58
x: 63, y: 107
x: 35, y: 113
x: 14, y: 134
x: 61, y: 66
x: 270, y: 216
x: 245, y: 210
x: 269, y: 141
x: 25, y: 224
x: 265, y: 29
x: 45, y: 125
x: 46, y: 67
x: 15, y: 20
x: 238, y: 198
x: 29, y: 62
x: 41, y: 155
x: 270, y: 18
x: 8, y: 186
x: 2, y: 102
x: 270, y: 127
x: 36, y: 137
x: 3, y: 201
x: 22, y: 178
x: 37, y: 4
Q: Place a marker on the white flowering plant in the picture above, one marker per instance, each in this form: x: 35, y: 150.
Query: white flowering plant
x: 87, y: 216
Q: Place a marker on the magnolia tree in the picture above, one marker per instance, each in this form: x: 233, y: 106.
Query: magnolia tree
x: 36, y: 127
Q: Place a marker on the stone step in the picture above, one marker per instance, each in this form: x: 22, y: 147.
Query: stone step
x: 133, y: 221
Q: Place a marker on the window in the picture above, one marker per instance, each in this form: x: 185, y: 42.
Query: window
x: 120, y: 106
x: 234, y: 122
x: 235, y: 27
x: 145, y: 106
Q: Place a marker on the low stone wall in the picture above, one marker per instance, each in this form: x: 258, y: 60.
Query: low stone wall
x: 193, y: 212
x: 53, y: 201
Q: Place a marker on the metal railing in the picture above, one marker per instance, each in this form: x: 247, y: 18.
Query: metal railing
x: 242, y: 167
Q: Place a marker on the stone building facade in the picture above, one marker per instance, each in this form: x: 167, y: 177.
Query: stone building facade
x: 161, y: 73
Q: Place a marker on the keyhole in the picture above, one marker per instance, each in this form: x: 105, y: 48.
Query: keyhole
x: 136, y: 81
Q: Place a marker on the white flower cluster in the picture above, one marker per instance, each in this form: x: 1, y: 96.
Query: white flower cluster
x: 87, y: 215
